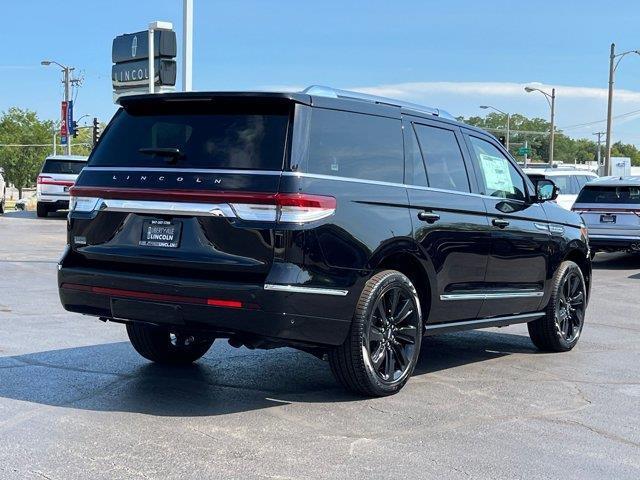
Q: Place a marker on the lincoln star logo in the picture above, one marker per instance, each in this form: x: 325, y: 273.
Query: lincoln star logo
x: 134, y: 45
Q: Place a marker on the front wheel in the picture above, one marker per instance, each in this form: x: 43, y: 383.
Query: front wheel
x: 382, y: 348
x: 560, y: 329
x: 161, y: 345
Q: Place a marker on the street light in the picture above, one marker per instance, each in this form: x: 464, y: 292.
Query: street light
x: 484, y: 107
x: 613, y: 66
x: 551, y: 100
x: 67, y: 81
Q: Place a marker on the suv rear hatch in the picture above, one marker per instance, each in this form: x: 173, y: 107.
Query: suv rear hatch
x: 58, y: 175
x: 611, y: 210
x: 184, y: 186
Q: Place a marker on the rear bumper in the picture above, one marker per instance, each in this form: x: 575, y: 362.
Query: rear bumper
x: 233, y: 309
x: 613, y: 242
x: 55, y: 201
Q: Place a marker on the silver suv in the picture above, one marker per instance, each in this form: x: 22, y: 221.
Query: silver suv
x: 610, y: 207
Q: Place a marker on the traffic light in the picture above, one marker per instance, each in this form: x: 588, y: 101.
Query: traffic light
x: 74, y: 129
x: 96, y: 130
x: 503, y: 140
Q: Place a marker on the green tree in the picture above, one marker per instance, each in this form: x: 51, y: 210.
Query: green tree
x: 23, y: 127
x: 620, y: 149
x: 534, y: 131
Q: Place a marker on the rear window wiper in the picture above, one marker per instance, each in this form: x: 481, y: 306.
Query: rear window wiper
x: 172, y: 154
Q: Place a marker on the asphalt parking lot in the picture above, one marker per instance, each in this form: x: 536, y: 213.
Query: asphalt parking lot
x: 76, y: 401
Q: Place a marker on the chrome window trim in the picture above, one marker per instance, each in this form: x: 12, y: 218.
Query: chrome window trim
x: 300, y: 289
x: 298, y: 175
x: 163, y: 208
x: 489, y: 296
x: 183, y: 170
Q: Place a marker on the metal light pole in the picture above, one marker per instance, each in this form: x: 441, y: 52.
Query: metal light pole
x: 598, y: 153
x: 66, y: 71
x: 187, y: 45
x: 613, y: 66
x: 551, y: 100
x: 484, y: 107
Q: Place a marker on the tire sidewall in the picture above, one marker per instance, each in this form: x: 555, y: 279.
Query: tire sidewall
x: 566, y: 269
x: 391, y: 279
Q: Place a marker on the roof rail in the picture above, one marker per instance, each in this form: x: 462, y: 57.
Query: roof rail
x: 330, y: 92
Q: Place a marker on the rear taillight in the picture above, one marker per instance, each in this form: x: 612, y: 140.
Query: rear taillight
x: 253, y: 206
x: 287, y: 207
x: 43, y: 179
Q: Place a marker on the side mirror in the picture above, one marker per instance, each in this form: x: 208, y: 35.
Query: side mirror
x: 546, y: 190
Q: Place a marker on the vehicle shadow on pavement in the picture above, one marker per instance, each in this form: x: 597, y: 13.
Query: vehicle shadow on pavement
x: 23, y: 214
x: 616, y: 261
x: 112, y: 377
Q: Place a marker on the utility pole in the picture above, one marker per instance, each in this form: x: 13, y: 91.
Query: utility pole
x: 607, y: 158
x: 67, y: 95
x: 598, y: 153
x: 66, y: 79
x: 553, y: 116
x: 613, y: 66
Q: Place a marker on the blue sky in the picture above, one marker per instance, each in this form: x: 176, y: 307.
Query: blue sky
x: 455, y: 55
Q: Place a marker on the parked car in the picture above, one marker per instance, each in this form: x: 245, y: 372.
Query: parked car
x: 341, y: 224
x: 610, y: 207
x: 568, y: 180
x: 57, y: 176
x: 3, y: 191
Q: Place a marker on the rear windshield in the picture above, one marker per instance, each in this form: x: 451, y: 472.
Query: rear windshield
x: 67, y: 167
x: 610, y: 194
x: 206, y: 136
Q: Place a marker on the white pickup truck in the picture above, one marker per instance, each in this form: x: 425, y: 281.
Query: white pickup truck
x: 57, y: 176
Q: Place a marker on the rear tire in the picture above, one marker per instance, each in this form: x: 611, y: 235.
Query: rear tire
x: 559, y: 330
x: 42, y: 210
x: 382, y: 348
x: 161, y: 345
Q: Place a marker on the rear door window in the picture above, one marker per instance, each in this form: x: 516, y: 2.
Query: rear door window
x: 443, y: 158
x: 500, y: 178
x: 64, y: 167
x: 610, y: 194
x: 355, y: 145
x: 206, y: 135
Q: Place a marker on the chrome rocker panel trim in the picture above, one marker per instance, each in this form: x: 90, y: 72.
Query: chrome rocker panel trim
x: 299, y: 289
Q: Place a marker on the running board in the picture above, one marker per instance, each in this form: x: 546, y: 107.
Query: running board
x: 436, y: 328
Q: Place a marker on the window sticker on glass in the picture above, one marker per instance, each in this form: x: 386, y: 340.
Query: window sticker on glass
x: 496, y: 173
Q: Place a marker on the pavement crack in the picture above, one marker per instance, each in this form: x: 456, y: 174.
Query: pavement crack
x: 597, y: 431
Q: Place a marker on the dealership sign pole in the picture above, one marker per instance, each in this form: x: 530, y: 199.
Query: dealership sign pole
x: 144, y: 62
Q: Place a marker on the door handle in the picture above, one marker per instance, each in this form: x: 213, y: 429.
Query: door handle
x: 500, y: 222
x: 428, y: 217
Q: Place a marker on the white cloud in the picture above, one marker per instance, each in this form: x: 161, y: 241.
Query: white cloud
x: 500, y: 89
x: 575, y: 105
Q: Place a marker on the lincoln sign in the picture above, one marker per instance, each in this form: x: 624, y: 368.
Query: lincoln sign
x: 130, y: 57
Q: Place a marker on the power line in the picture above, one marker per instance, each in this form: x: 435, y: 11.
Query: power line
x: 587, y: 124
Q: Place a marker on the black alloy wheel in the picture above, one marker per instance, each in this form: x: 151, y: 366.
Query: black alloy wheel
x: 381, y: 351
x: 392, y: 333
x: 560, y: 328
x: 571, y: 307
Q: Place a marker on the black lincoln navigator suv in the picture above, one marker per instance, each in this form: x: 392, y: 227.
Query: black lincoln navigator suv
x: 341, y: 224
